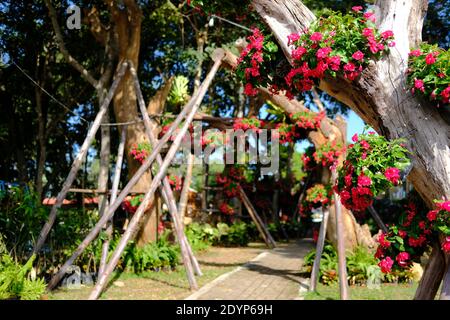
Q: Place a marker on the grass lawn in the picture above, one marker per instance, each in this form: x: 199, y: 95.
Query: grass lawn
x: 387, y: 291
x: 167, y: 285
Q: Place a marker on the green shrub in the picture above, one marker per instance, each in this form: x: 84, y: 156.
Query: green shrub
x: 15, y: 279
x: 235, y: 234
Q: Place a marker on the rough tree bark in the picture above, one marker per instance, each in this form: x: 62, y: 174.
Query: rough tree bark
x: 379, y: 96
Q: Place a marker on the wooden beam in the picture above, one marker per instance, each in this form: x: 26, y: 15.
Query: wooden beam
x: 319, y: 250
x: 377, y: 219
x: 79, y: 160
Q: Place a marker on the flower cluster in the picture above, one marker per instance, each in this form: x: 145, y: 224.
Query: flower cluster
x: 175, y: 181
x: 307, y: 119
x: 372, y: 165
x: 308, y: 160
x: 319, y: 194
x: 140, y: 151
x: 252, y: 123
x: 131, y: 203
x: 225, y: 208
x: 328, y: 153
x: 429, y: 73
x: 230, y: 181
x: 440, y: 219
x: 405, y: 242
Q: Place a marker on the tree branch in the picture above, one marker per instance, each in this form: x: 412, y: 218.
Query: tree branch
x: 60, y: 40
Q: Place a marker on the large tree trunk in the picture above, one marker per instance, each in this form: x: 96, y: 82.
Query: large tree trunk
x: 379, y: 95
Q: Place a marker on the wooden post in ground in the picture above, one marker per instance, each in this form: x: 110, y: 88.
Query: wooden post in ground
x: 165, y: 189
x: 377, y: 219
x: 432, y: 275
x: 256, y: 219
x: 79, y: 160
x: 319, y: 250
x: 125, y: 191
x: 342, y: 266
x: 155, y: 182
x: 115, y: 188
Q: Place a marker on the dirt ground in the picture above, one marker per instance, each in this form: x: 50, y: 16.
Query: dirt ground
x: 167, y: 285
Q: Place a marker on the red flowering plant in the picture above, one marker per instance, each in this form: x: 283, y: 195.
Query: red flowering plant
x: 307, y: 119
x: 286, y: 132
x: 231, y: 178
x: 251, y: 123
x: 405, y: 242
x: 319, y: 195
x: 429, y: 73
x: 140, y: 151
x: 308, y: 160
x: 335, y: 44
x: 440, y: 219
x: 328, y: 153
x: 225, y: 208
x: 175, y: 181
x: 372, y: 166
x: 131, y: 203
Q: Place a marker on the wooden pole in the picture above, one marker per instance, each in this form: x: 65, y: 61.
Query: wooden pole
x: 126, y: 190
x: 377, y: 219
x: 256, y: 219
x: 319, y: 250
x: 115, y: 188
x: 186, y: 186
x: 78, y: 160
x: 432, y: 275
x: 165, y: 189
x: 155, y: 182
x: 342, y: 267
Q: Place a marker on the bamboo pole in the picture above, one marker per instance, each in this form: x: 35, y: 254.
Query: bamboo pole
x: 377, y: 219
x: 319, y: 250
x: 186, y: 186
x: 257, y: 220
x: 79, y: 160
x: 126, y: 190
x: 115, y: 188
x: 165, y: 189
x: 342, y: 267
x: 155, y: 182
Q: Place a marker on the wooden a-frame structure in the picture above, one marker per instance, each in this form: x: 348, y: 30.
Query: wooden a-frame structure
x: 159, y: 182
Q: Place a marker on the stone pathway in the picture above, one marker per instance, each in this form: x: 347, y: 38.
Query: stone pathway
x: 272, y: 275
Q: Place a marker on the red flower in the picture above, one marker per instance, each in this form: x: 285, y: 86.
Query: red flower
x: 298, y: 53
x: 358, y: 55
x: 349, y: 67
x: 386, y: 265
x: 355, y: 137
x: 393, y: 175
x: 369, y: 16
x: 323, y: 52
x: 365, y: 145
x: 380, y: 253
x: 357, y: 8
x: 402, y: 233
x: 402, y: 259
x: 383, y: 242
x: 387, y: 34
x: 364, y: 181
x: 293, y: 37
x: 415, y: 53
x: 446, y: 245
x: 430, y: 59
x: 316, y: 36
x: 249, y: 90
x: 367, y: 32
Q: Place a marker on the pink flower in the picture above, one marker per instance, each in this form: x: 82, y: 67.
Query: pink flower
x: 383, y: 242
x: 391, y: 44
x: 386, y: 265
x: 430, y: 59
x: 323, y: 52
x: 364, y: 155
x: 369, y: 16
x: 444, y: 205
x: 349, y: 67
x: 402, y: 233
x: 364, y: 181
x: 293, y: 37
x: 431, y: 216
x: 415, y: 53
x: 402, y: 259
x: 365, y: 145
x: 357, y: 8
x: 298, y: 53
x: 316, y: 36
x: 418, y: 84
x: 387, y: 34
x: 393, y: 175
x: 358, y: 55
x: 367, y: 32
x: 446, y: 245
x: 355, y: 137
